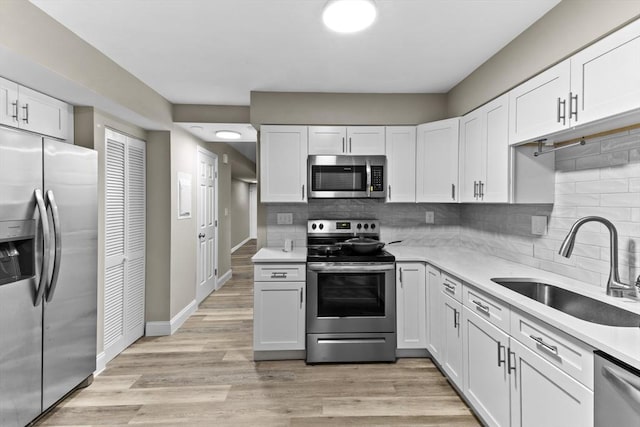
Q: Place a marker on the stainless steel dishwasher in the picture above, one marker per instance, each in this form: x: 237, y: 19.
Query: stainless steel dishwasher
x: 616, y: 392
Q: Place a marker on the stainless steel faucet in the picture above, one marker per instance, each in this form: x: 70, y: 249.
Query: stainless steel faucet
x: 615, y: 287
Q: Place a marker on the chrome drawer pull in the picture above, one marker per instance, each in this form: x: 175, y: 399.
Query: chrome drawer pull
x: 540, y: 341
x: 276, y: 275
x: 480, y: 306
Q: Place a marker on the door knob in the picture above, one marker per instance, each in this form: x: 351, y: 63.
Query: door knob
x: 201, y: 236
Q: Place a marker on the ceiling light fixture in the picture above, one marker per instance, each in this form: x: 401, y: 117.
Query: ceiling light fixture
x: 349, y: 16
x: 228, y: 134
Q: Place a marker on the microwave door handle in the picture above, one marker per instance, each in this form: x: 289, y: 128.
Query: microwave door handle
x: 368, y: 178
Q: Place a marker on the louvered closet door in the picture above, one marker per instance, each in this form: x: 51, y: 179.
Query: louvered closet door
x: 124, y: 242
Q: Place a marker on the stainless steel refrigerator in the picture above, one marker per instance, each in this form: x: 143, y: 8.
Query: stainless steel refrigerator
x: 48, y: 272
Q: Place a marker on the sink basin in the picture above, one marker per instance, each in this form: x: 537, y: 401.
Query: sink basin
x: 571, y: 303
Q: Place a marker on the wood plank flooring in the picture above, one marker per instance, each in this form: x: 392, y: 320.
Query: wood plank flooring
x: 204, y: 375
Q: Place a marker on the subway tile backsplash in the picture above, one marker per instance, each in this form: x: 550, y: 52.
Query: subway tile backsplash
x: 600, y: 178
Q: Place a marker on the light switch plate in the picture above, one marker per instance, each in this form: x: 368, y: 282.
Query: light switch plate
x: 284, y: 218
x: 539, y: 225
x: 430, y: 217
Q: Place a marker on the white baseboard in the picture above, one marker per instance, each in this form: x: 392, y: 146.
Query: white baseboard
x: 224, y: 279
x: 239, y: 245
x: 163, y: 328
x: 101, y: 364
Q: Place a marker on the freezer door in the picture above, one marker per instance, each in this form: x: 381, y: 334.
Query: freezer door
x: 20, y: 318
x: 69, y: 347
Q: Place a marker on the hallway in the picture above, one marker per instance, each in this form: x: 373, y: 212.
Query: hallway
x: 204, y: 375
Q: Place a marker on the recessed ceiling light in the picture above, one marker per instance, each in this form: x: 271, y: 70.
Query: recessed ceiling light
x: 228, y: 134
x: 196, y: 128
x: 349, y: 16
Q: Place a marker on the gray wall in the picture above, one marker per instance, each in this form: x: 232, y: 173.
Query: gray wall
x: 565, y: 29
x: 239, y: 212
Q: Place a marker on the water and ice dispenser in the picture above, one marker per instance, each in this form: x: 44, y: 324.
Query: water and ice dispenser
x: 17, y: 250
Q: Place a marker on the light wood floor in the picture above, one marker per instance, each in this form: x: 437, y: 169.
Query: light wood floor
x: 204, y: 375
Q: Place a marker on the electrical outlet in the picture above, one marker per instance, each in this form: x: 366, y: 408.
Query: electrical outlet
x: 539, y: 225
x: 430, y: 217
x: 285, y: 218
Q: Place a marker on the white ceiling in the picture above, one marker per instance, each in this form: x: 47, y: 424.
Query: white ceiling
x: 217, y: 51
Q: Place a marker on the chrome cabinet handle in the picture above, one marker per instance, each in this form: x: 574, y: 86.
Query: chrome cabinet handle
x: 481, y: 195
x: 501, y: 355
x: 301, y: 297
x: 389, y: 192
x: 25, y: 107
x: 453, y: 191
x: 57, y: 258
x: 343, y: 146
x: 278, y: 275
x: 540, y: 341
x: 456, y: 318
x: 511, y: 367
x: 14, y: 116
x: 475, y: 189
x: 481, y: 307
x: 44, y: 220
x: 573, y: 113
x: 350, y: 146
x: 400, y: 279
x: 563, y: 116
x: 625, y: 385
x: 302, y: 191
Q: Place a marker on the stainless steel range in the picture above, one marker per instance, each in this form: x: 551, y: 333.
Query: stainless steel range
x: 351, y: 294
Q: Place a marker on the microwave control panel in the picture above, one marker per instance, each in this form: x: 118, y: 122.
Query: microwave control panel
x: 377, y: 182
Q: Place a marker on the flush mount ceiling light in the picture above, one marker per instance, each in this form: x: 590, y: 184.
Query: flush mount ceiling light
x: 349, y: 16
x: 228, y: 134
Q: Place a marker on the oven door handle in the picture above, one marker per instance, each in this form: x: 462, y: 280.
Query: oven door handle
x: 354, y: 268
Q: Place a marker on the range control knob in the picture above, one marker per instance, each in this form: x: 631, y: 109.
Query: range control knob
x: 321, y: 226
x: 359, y: 226
x: 366, y: 226
x: 313, y: 226
x: 373, y: 226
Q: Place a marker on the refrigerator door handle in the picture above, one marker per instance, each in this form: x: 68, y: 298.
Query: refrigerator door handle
x: 44, y: 220
x: 51, y: 201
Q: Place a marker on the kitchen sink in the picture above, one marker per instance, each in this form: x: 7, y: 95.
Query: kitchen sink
x: 571, y: 303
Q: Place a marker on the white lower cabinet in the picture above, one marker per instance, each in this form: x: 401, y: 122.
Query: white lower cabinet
x: 434, y: 312
x: 542, y: 395
x: 452, y: 334
x: 278, y: 315
x: 411, y: 309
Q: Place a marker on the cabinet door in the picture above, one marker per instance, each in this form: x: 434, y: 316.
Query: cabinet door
x: 278, y: 316
x: 43, y: 114
x: 283, y: 164
x: 452, y: 348
x: 366, y: 140
x: 486, y: 377
x: 605, y: 77
x: 327, y: 140
x: 401, y: 164
x: 434, y: 313
x: 471, y: 151
x: 495, y: 158
x: 540, y: 106
x: 437, y: 161
x: 542, y: 395
x: 410, y: 304
x: 8, y: 103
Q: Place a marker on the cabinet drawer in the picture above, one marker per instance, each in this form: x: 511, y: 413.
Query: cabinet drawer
x: 487, y: 307
x: 567, y: 353
x: 452, y: 286
x: 279, y: 272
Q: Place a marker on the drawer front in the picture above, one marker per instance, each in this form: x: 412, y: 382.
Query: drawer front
x: 565, y: 352
x: 279, y: 272
x: 488, y: 308
x: 452, y: 286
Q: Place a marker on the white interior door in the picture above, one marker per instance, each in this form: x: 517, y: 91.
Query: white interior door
x: 207, y: 224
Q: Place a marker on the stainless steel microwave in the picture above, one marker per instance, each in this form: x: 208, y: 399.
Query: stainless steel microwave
x: 346, y: 177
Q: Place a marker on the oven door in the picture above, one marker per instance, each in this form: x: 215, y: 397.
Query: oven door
x: 351, y: 297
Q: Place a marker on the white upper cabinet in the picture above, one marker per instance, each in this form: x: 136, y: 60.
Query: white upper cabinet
x: 283, y: 164
x: 27, y: 109
x: 354, y: 140
x: 605, y: 77
x: 437, y: 161
x: 401, y: 164
x: 539, y: 106
x: 484, y: 153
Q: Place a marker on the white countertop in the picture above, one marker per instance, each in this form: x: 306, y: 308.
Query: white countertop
x: 478, y: 269
x: 279, y: 255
